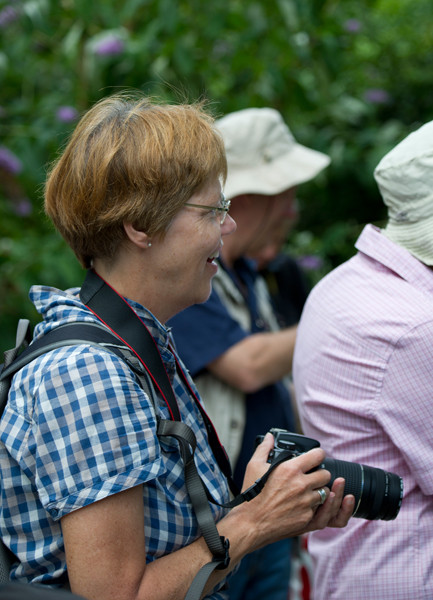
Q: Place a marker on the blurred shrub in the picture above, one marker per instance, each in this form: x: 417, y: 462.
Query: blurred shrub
x: 351, y: 78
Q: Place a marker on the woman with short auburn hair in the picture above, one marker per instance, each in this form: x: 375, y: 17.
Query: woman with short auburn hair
x: 116, y: 168
x: 91, y: 496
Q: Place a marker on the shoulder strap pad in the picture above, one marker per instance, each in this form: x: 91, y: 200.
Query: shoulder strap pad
x: 70, y: 334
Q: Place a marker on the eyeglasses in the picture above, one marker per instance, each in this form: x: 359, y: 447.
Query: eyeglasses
x: 223, y: 209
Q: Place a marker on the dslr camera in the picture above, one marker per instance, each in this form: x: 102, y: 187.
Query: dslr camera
x: 378, y: 494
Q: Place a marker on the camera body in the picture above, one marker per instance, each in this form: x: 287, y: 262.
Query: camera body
x: 378, y: 494
x: 286, y: 441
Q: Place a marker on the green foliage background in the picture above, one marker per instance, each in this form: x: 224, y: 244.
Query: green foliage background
x: 351, y: 77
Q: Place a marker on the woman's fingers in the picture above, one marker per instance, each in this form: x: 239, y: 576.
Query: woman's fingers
x: 336, y: 510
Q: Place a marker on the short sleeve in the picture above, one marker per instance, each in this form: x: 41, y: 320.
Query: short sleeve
x: 93, y: 430
x: 203, y: 332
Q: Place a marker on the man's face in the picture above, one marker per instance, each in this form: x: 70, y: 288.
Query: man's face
x: 274, y: 216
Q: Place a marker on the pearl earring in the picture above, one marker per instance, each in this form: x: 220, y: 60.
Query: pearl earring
x: 149, y: 244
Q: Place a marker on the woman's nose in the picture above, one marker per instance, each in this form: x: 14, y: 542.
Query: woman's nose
x: 229, y: 226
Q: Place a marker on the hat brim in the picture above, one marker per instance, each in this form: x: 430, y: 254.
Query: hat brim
x: 416, y: 237
x: 298, y: 166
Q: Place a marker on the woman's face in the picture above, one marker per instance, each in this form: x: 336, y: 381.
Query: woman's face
x: 185, y: 256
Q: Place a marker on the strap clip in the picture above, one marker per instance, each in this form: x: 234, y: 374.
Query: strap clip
x: 223, y: 562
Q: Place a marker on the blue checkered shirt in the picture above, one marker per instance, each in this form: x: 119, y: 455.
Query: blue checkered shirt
x: 78, y: 428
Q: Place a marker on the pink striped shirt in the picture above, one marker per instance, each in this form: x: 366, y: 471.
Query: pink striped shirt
x: 363, y: 373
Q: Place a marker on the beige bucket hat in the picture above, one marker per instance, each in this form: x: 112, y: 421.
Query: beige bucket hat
x: 263, y: 156
x: 405, y: 180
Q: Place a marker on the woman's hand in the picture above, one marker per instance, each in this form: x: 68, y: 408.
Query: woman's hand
x: 337, y: 509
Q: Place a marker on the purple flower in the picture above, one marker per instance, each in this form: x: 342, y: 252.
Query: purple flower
x: 352, y: 25
x: 310, y: 262
x: 8, y: 15
x: 9, y: 162
x: 109, y: 46
x: 377, y: 96
x: 23, y: 207
x: 66, y: 114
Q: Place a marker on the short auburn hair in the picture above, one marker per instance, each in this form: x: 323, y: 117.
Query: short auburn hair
x: 130, y: 160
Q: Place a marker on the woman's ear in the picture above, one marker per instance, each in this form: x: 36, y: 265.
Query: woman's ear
x: 137, y: 237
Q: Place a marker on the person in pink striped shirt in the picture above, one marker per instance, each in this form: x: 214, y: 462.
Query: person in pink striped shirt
x: 363, y: 374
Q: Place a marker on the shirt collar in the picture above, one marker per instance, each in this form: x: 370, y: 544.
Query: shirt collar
x: 377, y: 246
x: 58, y: 307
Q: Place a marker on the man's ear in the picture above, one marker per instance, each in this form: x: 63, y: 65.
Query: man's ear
x: 137, y: 237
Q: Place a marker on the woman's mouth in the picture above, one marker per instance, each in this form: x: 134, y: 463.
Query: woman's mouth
x: 212, y: 258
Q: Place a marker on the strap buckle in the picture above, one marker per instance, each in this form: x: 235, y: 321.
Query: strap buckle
x: 223, y: 562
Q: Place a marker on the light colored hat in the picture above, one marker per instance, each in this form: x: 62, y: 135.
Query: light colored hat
x: 405, y: 180
x: 263, y: 156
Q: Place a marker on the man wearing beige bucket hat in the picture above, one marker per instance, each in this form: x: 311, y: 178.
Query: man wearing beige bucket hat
x: 232, y: 344
x: 363, y: 373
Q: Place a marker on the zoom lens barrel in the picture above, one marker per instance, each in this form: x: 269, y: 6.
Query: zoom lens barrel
x: 378, y: 494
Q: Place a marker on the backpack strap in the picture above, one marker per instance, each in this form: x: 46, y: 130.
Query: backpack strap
x: 70, y: 334
x: 23, y: 338
x: 118, y: 316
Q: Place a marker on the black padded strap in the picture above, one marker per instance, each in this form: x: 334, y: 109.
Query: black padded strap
x: 61, y: 336
x: 71, y: 334
x: 123, y: 321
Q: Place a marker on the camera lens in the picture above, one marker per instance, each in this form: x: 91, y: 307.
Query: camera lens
x: 378, y: 494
